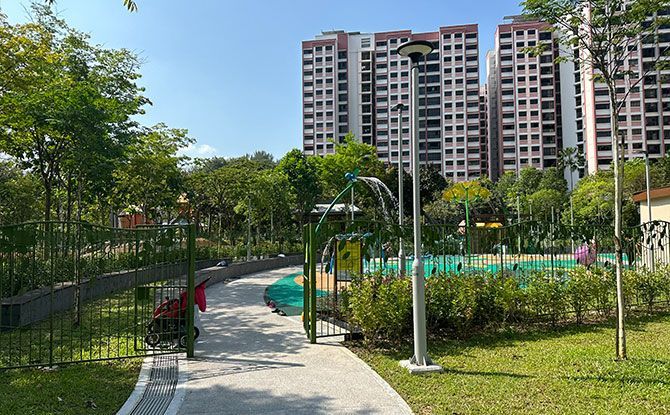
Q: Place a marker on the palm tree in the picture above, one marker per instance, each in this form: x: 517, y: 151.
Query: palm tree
x: 572, y: 159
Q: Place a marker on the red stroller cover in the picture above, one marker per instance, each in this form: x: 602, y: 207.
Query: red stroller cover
x: 200, y: 298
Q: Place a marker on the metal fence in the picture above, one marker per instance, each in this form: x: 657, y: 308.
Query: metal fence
x: 339, y: 252
x: 73, y: 292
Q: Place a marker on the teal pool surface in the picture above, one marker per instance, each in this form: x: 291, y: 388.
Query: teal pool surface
x: 456, y: 263
x: 288, y: 295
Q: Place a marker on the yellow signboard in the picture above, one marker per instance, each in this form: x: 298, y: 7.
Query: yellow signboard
x: 349, y: 258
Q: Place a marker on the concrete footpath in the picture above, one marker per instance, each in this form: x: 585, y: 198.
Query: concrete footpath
x: 251, y: 361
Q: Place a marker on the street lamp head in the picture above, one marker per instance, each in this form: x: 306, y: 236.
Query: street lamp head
x: 415, y: 49
x: 399, y: 107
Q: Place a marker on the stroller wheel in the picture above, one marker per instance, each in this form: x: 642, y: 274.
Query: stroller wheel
x: 152, y: 339
x: 183, y: 339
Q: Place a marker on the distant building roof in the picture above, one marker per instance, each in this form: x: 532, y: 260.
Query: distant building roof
x: 338, y: 208
x: 654, y: 194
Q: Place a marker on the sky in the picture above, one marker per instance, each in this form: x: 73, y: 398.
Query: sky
x: 229, y: 71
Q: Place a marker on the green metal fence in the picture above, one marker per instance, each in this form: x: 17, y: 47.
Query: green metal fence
x: 345, y: 250
x: 74, y: 292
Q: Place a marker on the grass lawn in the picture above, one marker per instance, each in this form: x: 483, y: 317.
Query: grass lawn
x: 567, y: 371
x: 106, y: 331
x: 87, y: 388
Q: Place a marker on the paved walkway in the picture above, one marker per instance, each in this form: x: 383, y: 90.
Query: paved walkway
x: 251, y: 361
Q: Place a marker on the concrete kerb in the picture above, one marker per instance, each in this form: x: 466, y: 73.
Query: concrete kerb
x: 140, y: 387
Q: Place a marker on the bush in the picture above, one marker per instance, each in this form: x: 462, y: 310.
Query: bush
x: 648, y: 286
x: 547, y: 295
x: 381, y: 306
x: 457, y: 303
x: 579, y: 290
x: 450, y: 302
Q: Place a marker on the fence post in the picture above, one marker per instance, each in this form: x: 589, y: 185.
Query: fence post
x: 50, y: 260
x: 305, y: 280
x: 136, y: 265
x: 190, y: 302
x: 312, y: 283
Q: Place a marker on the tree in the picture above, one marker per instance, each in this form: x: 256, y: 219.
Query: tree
x: 605, y: 33
x: 302, y: 175
x: 571, y: 159
x: 66, y: 104
x: 431, y: 183
x: 264, y: 159
x: 20, y: 194
x: 349, y: 155
x: 131, y: 5
x: 152, y: 177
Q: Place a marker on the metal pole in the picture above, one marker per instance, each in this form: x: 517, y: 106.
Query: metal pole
x: 572, y: 224
x: 420, y: 357
x: 249, y: 229
x: 518, y: 221
x: 190, y: 296
x: 649, y: 218
x: 352, y: 204
x: 312, y: 283
x: 467, y: 224
x: 401, y: 214
x: 648, y: 179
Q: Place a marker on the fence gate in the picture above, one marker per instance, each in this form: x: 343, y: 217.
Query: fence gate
x: 336, y: 253
x: 75, y: 292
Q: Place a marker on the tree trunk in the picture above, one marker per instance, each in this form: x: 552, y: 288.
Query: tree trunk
x: 617, y: 157
x: 47, y: 200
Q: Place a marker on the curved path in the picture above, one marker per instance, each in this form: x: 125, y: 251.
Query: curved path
x: 251, y: 361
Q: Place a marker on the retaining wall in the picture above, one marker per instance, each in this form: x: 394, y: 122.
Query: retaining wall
x: 236, y: 270
x: 37, y: 305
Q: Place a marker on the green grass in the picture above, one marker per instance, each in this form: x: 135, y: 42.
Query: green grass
x: 89, y: 388
x: 107, y: 330
x: 567, y: 371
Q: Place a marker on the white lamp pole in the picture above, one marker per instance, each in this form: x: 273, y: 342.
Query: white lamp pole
x: 401, y: 215
x: 420, y: 362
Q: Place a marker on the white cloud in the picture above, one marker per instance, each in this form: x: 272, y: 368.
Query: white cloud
x: 198, y: 150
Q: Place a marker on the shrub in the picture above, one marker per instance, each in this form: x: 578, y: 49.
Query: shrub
x: 648, y: 286
x: 381, y: 306
x: 547, y: 295
x: 579, y: 290
x: 603, y: 287
x: 450, y: 302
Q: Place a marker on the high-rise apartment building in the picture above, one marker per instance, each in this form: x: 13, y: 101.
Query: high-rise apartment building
x: 644, y: 120
x: 352, y: 80
x: 526, y: 90
x: 483, y: 129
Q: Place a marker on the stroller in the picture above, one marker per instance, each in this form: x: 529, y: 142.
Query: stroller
x: 169, y: 319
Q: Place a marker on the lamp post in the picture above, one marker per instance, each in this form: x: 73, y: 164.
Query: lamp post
x: 401, y: 215
x: 420, y: 362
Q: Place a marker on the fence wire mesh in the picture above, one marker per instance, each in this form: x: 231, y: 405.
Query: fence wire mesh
x: 73, y: 292
x: 343, y: 251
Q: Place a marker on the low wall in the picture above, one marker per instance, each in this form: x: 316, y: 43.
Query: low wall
x: 37, y: 305
x: 236, y: 270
